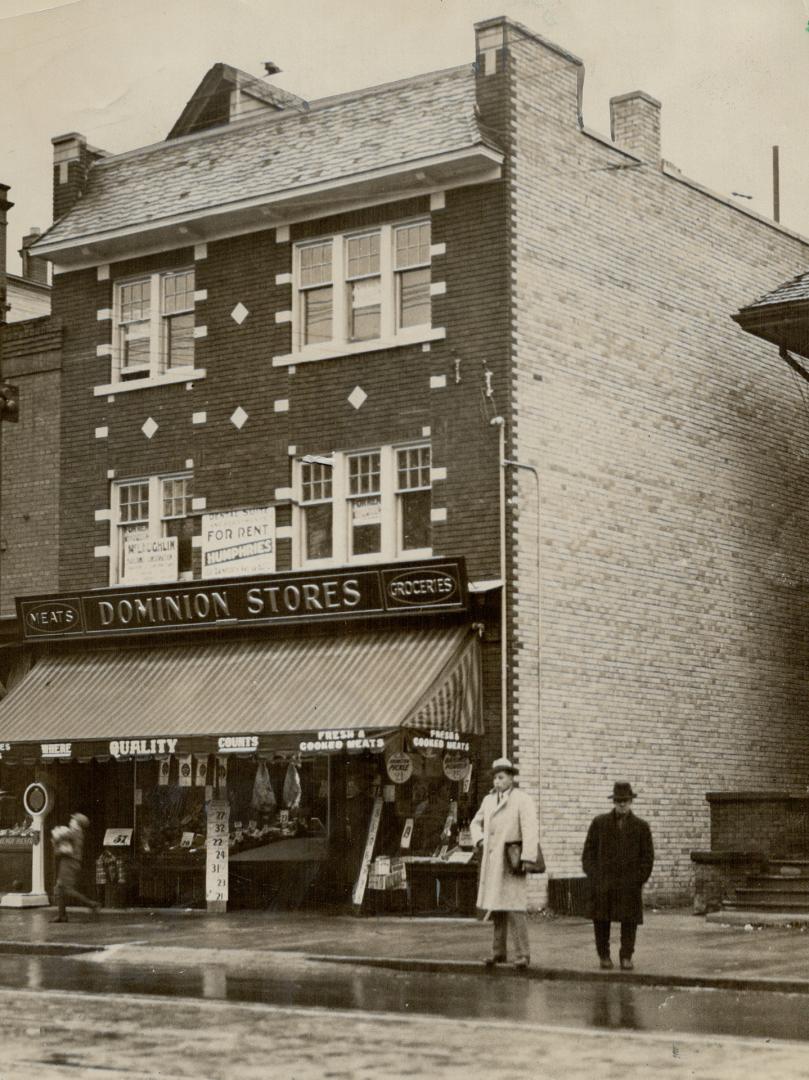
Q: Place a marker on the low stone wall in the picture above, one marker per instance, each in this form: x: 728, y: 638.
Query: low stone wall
x: 717, y: 874
x: 771, y: 822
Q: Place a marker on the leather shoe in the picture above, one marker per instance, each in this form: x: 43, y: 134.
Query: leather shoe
x: 606, y: 963
x: 521, y: 963
x: 626, y: 964
x: 498, y: 958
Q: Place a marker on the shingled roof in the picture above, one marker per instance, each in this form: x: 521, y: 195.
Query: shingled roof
x: 781, y: 316
x: 377, y: 129
x: 796, y: 288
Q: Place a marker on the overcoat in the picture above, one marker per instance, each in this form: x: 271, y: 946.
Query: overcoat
x: 617, y: 860
x: 514, y: 817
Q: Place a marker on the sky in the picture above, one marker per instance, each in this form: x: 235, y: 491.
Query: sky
x: 731, y: 74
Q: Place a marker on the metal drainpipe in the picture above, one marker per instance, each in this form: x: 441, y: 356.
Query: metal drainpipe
x: 499, y: 423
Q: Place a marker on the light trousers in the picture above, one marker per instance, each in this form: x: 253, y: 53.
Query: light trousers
x: 517, y: 922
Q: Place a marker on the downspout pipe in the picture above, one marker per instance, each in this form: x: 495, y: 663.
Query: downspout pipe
x: 499, y: 423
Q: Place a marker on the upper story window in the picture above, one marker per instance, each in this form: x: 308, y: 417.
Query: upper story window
x: 364, y: 286
x: 154, y: 325
x: 363, y: 506
x: 145, y: 511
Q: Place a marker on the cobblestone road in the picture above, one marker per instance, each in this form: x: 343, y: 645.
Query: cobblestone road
x: 51, y: 1035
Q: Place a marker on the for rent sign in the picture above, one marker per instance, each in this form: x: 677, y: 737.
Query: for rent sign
x: 238, y: 542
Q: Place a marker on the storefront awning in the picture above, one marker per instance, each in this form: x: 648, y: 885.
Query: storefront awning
x: 425, y: 678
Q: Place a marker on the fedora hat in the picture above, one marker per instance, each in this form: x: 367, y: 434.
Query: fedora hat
x: 502, y: 764
x: 622, y: 790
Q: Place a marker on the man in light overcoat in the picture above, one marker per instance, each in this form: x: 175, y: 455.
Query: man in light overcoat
x: 506, y: 815
x: 618, y: 857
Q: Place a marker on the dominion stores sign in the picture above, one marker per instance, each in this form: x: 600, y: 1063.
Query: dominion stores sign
x: 393, y: 589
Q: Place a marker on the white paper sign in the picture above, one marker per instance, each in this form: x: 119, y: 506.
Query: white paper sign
x: 148, y: 560
x: 216, y: 850
x: 238, y: 542
x: 117, y: 838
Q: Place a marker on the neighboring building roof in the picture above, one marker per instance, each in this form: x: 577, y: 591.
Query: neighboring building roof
x: 373, y: 130
x: 27, y: 299
x: 781, y: 316
x: 796, y: 288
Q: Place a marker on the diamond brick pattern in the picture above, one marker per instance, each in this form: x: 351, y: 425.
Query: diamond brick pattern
x: 238, y: 418
x: 239, y: 313
x: 357, y: 397
x: 149, y: 428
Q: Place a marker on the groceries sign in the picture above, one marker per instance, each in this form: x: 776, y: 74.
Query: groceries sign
x: 393, y: 589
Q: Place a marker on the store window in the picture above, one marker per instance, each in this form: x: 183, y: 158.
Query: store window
x: 361, y: 287
x: 153, y: 326
x: 363, y: 506
x: 153, y: 530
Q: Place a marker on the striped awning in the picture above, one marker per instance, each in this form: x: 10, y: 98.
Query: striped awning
x: 425, y: 678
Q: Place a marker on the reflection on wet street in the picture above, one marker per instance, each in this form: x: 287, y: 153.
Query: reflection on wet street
x: 296, y: 982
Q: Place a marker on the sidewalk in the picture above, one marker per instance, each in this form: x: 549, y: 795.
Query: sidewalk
x: 674, y: 948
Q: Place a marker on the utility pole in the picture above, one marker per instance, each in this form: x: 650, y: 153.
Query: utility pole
x: 776, y: 186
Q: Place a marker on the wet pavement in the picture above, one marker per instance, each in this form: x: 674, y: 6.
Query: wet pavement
x: 293, y: 981
x: 673, y: 947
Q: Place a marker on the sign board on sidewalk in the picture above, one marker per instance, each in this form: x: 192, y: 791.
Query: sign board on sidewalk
x: 216, y: 852
x: 373, y: 828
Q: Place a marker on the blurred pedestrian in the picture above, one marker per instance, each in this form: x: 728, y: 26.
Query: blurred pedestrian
x: 618, y: 857
x: 68, y: 843
x: 506, y: 831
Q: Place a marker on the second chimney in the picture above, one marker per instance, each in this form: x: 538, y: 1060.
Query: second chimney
x: 33, y: 269
x: 635, y: 125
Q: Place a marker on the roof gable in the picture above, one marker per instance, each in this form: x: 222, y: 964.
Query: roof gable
x: 226, y: 94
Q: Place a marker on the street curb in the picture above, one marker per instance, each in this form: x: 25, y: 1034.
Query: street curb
x: 636, y: 978
x: 46, y: 948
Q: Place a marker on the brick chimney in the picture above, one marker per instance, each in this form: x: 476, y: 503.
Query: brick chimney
x: 33, y: 268
x: 635, y: 125
x: 72, y: 158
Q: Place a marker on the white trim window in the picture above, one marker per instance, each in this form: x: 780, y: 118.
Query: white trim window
x: 154, y: 510
x: 153, y: 331
x: 363, y: 506
x: 364, y: 286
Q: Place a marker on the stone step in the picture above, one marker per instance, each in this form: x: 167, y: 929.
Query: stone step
x: 767, y: 903
x: 777, y: 883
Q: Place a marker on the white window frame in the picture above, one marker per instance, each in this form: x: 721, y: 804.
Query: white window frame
x: 154, y: 523
x: 391, y: 549
x: 154, y: 371
x: 391, y: 333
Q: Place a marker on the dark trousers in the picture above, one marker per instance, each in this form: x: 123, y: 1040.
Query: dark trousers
x: 67, y: 875
x: 628, y: 932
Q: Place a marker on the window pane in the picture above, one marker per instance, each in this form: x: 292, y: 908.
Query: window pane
x: 315, y: 264
x: 316, y: 481
x: 184, y: 528
x: 176, y: 496
x: 318, y: 531
x: 366, y: 526
x: 317, y: 315
x: 363, y: 255
x: 135, y: 352
x: 412, y: 245
x: 133, y: 502
x: 363, y: 474
x: 413, y: 468
x: 178, y: 341
x: 414, y: 298
x: 178, y: 292
x: 415, y: 510
x: 365, y: 315
x: 134, y: 300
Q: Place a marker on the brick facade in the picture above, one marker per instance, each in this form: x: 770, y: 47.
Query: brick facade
x: 653, y: 501
x: 29, y: 495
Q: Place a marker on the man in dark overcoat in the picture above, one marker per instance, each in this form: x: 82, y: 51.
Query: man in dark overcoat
x: 618, y: 857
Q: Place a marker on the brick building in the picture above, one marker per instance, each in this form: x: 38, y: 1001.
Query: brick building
x: 432, y: 321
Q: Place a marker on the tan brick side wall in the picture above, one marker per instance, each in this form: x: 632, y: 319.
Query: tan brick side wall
x: 672, y: 449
